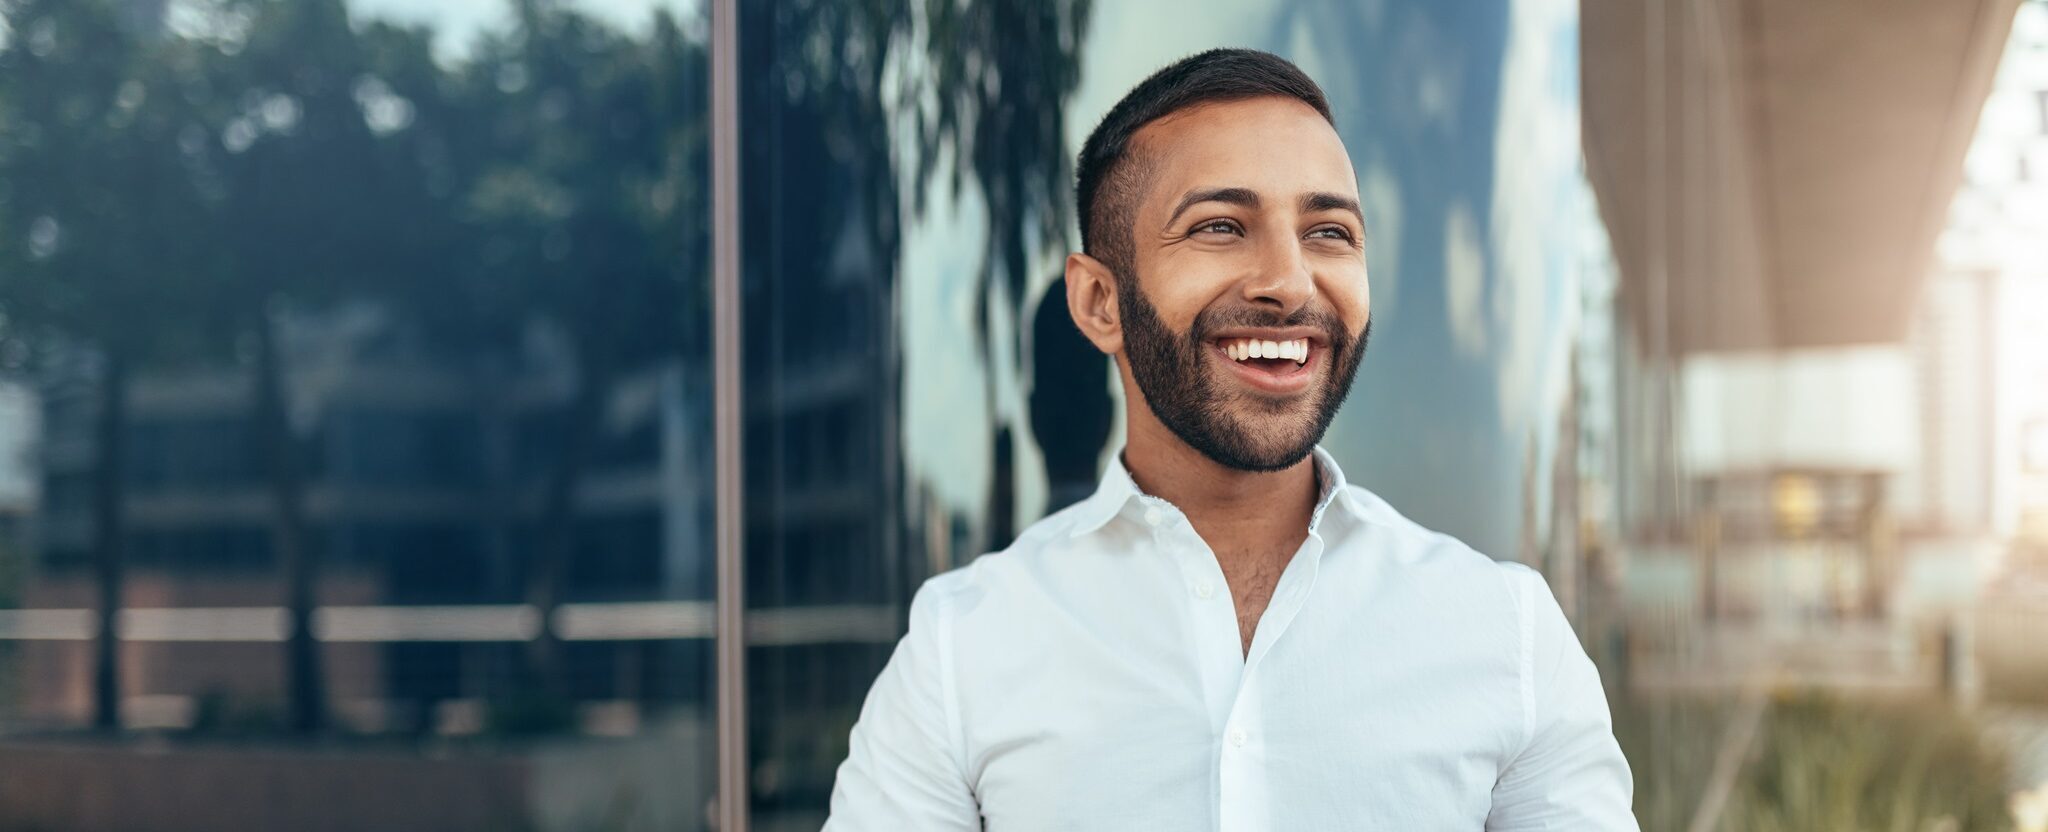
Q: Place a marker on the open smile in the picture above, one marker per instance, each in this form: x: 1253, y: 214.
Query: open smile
x: 1275, y: 363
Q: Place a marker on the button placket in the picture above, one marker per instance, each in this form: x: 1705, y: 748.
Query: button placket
x: 1244, y: 795
x: 1212, y: 625
x: 1296, y: 582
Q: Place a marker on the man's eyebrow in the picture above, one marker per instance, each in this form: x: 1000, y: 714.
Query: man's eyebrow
x: 1235, y: 196
x: 1324, y: 201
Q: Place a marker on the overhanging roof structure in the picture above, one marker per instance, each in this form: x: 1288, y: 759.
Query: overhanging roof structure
x: 1774, y: 173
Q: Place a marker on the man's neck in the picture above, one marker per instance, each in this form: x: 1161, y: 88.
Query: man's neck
x: 1234, y: 511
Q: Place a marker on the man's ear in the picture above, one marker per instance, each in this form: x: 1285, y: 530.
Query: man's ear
x: 1091, y: 299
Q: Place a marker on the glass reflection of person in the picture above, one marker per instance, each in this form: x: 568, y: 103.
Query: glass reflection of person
x: 1069, y: 403
x: 1227, y: 635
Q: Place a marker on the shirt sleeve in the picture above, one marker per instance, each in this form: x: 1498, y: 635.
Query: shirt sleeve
x: 903, y: 767
x: 1569, y: 773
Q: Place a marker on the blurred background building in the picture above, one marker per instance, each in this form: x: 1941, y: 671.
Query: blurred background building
x: 356, y: 441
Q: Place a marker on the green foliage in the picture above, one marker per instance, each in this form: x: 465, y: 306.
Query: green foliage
x: 171, y: 188
x: 105, y: 205
x: 1001, y: 76
x: 1816, y: 762
x: 1670, y: 743
x: 160, y: 189
x: 1825, y: 764
x: 588, y: 207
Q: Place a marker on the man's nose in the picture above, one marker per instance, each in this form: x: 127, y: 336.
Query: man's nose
x: 1283, y: 281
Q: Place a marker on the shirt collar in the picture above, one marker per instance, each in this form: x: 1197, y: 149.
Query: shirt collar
x: 1117, y: 491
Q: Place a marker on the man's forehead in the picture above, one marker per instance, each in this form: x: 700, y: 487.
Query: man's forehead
x: 1270, y: 143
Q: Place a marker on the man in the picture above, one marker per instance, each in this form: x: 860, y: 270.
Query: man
x: 1227, y: 635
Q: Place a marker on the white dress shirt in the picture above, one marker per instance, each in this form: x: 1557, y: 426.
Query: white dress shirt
x: 1091, y: 676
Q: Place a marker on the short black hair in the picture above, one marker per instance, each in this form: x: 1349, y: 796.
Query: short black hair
x: 1110, y: 180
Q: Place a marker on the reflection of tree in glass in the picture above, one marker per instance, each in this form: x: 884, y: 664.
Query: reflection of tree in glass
x: 979, y: 92
x: 177, y: 196
x: 311, y: 201
x: 104, y: 259
x: 590, y: 220
x: 551, y: 181
x: 849, y: 108
x: 1002, y: 72
x: 1069, y: 405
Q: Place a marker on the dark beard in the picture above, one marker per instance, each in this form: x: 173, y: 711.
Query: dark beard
x: 1171, y: 370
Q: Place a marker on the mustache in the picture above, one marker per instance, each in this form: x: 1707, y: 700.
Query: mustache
x: 1210, y: 320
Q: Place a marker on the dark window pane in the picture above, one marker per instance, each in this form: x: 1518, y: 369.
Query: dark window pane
x: 359, y: 351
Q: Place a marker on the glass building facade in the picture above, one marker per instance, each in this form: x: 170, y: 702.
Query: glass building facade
x: 912, y: 402
x: 357, y: 377
x: 398, y: 427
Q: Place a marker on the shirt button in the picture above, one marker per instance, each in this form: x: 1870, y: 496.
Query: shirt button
x: 1238, y: 737
x: 1205, y: 590
x: 1155, y: 516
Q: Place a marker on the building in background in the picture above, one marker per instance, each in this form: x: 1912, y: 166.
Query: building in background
x: 1644, y: 280
x: 1986, y: 335
x: 1988, y: 296
x: 1773, y: 221
x: 424, y: 490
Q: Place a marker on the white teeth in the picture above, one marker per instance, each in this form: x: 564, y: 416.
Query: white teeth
x: 1295, y: 350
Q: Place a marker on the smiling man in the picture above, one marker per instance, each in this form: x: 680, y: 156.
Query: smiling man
x: 1227, y: 635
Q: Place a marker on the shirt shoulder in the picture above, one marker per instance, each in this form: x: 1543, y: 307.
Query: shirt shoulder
x: 1051, y: 536
x: 963, y: 587
x: 1412, y: 541
x: 1439, y: 565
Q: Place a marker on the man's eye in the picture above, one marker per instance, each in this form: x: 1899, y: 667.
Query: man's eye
x: 1218, y: 226
x: 1332, y: 233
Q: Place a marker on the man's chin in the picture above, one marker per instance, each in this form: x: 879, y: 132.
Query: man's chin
x: 1260, y: 454
x: 1263, y: 464
x: 1274, y: 420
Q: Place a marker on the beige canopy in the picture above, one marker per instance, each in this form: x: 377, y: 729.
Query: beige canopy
x: 1774, y: 174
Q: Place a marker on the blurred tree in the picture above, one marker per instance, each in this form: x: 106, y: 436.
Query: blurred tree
x: 591, y: 224
x: 174, y: 193
x: 1001, y: 75
x: 901, y: 93
x: 103, y: 251
x: 177, y: 195
x: 850, y: 113
x: 320, y: 205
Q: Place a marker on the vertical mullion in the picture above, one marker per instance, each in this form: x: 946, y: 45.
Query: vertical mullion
x: 725, y: 351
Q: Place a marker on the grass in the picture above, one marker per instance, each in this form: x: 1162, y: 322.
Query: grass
x: 1818, y: 763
